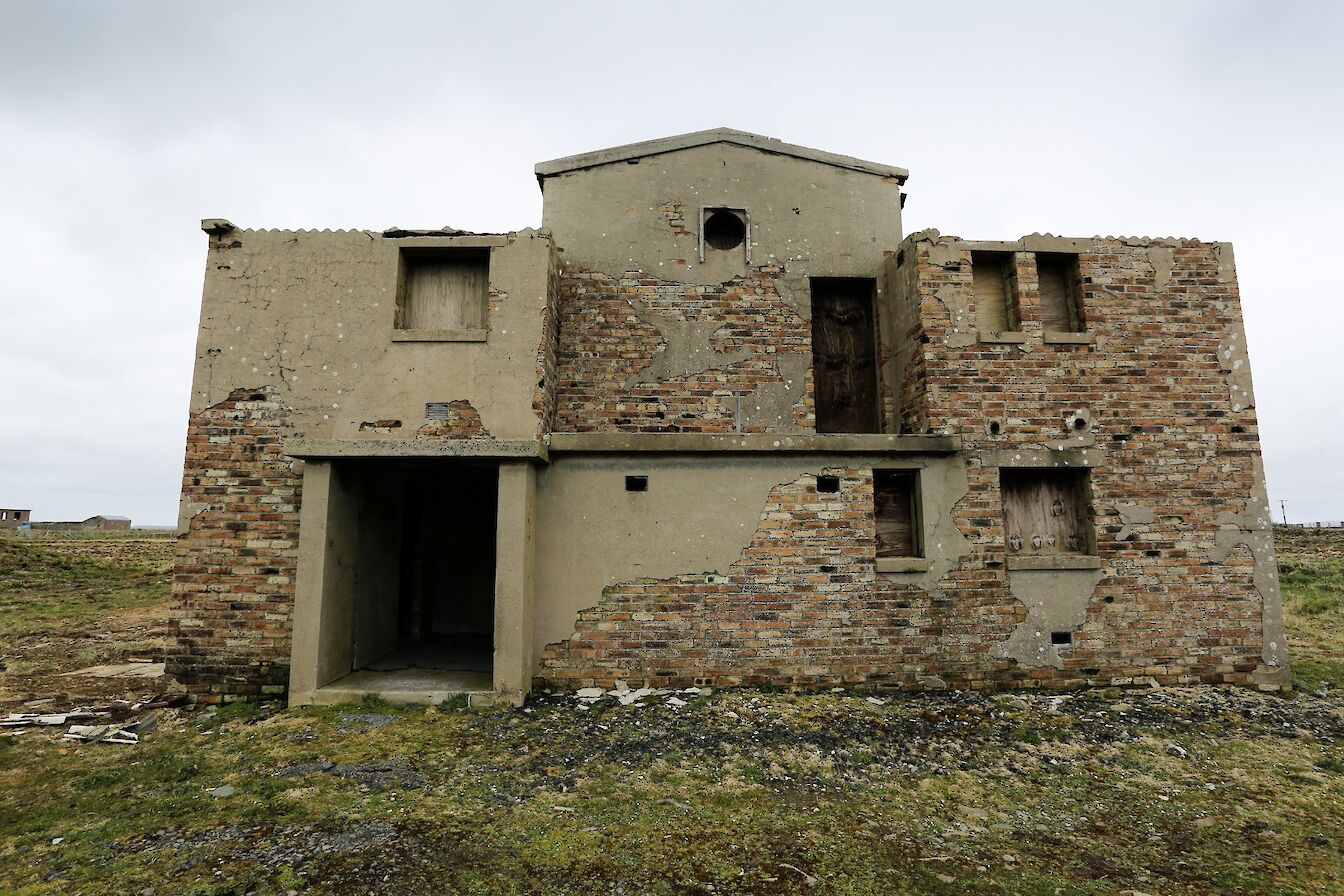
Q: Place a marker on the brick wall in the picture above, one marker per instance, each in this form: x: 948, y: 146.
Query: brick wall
x: 604, y: 342
x: 803, y: 605
x: 233, y: 577
x: 1164, y: 431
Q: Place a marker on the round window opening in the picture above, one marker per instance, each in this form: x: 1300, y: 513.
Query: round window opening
x: 724, y: 230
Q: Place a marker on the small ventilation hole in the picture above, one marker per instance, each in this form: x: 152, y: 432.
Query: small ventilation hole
x: 724, y: 230
x: 995, y: 427
x: 636, y: 483
x: 828, y: 484
x: 1061, y: 638
x: 1079, y: 424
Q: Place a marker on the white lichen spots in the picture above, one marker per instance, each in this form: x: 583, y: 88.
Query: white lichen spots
x: 334, y: 405
x: 254, y: 370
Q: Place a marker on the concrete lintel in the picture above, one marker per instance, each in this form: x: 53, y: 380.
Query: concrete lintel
x: 519, y: 449
x: 474, y: 335
x: 1059, y: 337
x: 751, y: 443
x: 633, y: 151
x: 1042, y: 457
x: 1055, y: 561
x: 1005, y: 337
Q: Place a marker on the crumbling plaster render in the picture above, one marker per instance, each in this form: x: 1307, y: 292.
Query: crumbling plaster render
x: 697, y: 517
x: 312, y: 315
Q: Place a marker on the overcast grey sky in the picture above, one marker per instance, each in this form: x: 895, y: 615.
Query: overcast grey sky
x: 123, y: 124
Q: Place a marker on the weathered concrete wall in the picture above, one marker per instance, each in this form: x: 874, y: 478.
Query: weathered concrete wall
x: 298, y: 339
x: 740, y: 572
x: 312, y: 315
x: 816, y: 220
x: 652, y: 339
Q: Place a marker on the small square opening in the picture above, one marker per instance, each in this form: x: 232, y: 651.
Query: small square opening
x: 828, y: 484
x: 636, y: 483
x: 1061, y: 638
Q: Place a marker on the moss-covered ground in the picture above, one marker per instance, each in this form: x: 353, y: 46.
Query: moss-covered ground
x: 1160, y: 791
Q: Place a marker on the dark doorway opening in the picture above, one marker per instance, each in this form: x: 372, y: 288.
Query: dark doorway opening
x: 844, y: 354
x: 425, y: 575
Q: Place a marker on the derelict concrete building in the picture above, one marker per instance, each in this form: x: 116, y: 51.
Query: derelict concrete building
x: 717, y: 421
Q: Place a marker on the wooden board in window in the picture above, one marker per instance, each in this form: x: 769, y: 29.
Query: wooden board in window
x: 1045, y: 511
x: 894, y: 501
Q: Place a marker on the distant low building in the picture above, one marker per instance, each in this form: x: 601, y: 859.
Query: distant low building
x: 92, y: 524
x: 13, y: 519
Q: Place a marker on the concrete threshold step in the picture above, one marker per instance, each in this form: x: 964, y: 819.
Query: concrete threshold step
x: 427, y: 686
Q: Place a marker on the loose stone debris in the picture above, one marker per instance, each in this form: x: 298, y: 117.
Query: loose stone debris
x: 121, y: 670
x: 627, y: 697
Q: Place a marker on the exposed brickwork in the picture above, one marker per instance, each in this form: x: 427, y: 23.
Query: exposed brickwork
x: 1164, y: 435
x: 233, y: 577
x: 459, y: 420
x: 543, y: 396
x: 603, y: 343
x: 803, y: 606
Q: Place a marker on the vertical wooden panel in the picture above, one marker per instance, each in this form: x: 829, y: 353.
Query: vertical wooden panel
x: 446, y: 290
x: 894, y: 497
x: 844, y: 355
x: 991, y: 278
x: 1048, y: 505
x: 1058, y: 291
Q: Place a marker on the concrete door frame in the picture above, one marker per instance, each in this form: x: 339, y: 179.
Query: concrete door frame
x: 323, y: 619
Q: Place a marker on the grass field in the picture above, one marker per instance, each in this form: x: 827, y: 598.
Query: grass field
x: 1158, y: 791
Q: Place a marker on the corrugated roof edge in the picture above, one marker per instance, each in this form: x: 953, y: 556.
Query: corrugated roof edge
x: 703, y: 138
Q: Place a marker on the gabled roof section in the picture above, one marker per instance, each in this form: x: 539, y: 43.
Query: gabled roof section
x: 704, y: 138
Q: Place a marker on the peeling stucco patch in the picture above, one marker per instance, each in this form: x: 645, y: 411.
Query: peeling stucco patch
x: 686, y: 351
x: 1233, y: 360
x: 1253, y: 528
x: 961, y: 333
x: 775, y: 406
x: 1056, y: 601
x: 1161, y: 257
x: 1132, y: 515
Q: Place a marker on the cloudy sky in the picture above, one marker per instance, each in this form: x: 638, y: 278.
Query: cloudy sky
x: 123, y: 124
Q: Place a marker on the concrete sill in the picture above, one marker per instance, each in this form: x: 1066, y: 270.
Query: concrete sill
x: 1005, y: 338
x: 440, y: 335
x: 1055, y: 561
x: 902, y: 564
x: 1053, y: 337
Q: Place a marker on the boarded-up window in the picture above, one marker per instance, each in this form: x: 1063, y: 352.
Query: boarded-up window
x: 443, y: 289
x: 844, y: 354
x: 1058, y: 277
x: 896, y: 501
x: 995, y: 300
x: 1045, y: 510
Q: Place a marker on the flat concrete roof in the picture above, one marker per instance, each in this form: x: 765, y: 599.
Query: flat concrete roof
x: 630, y: 151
